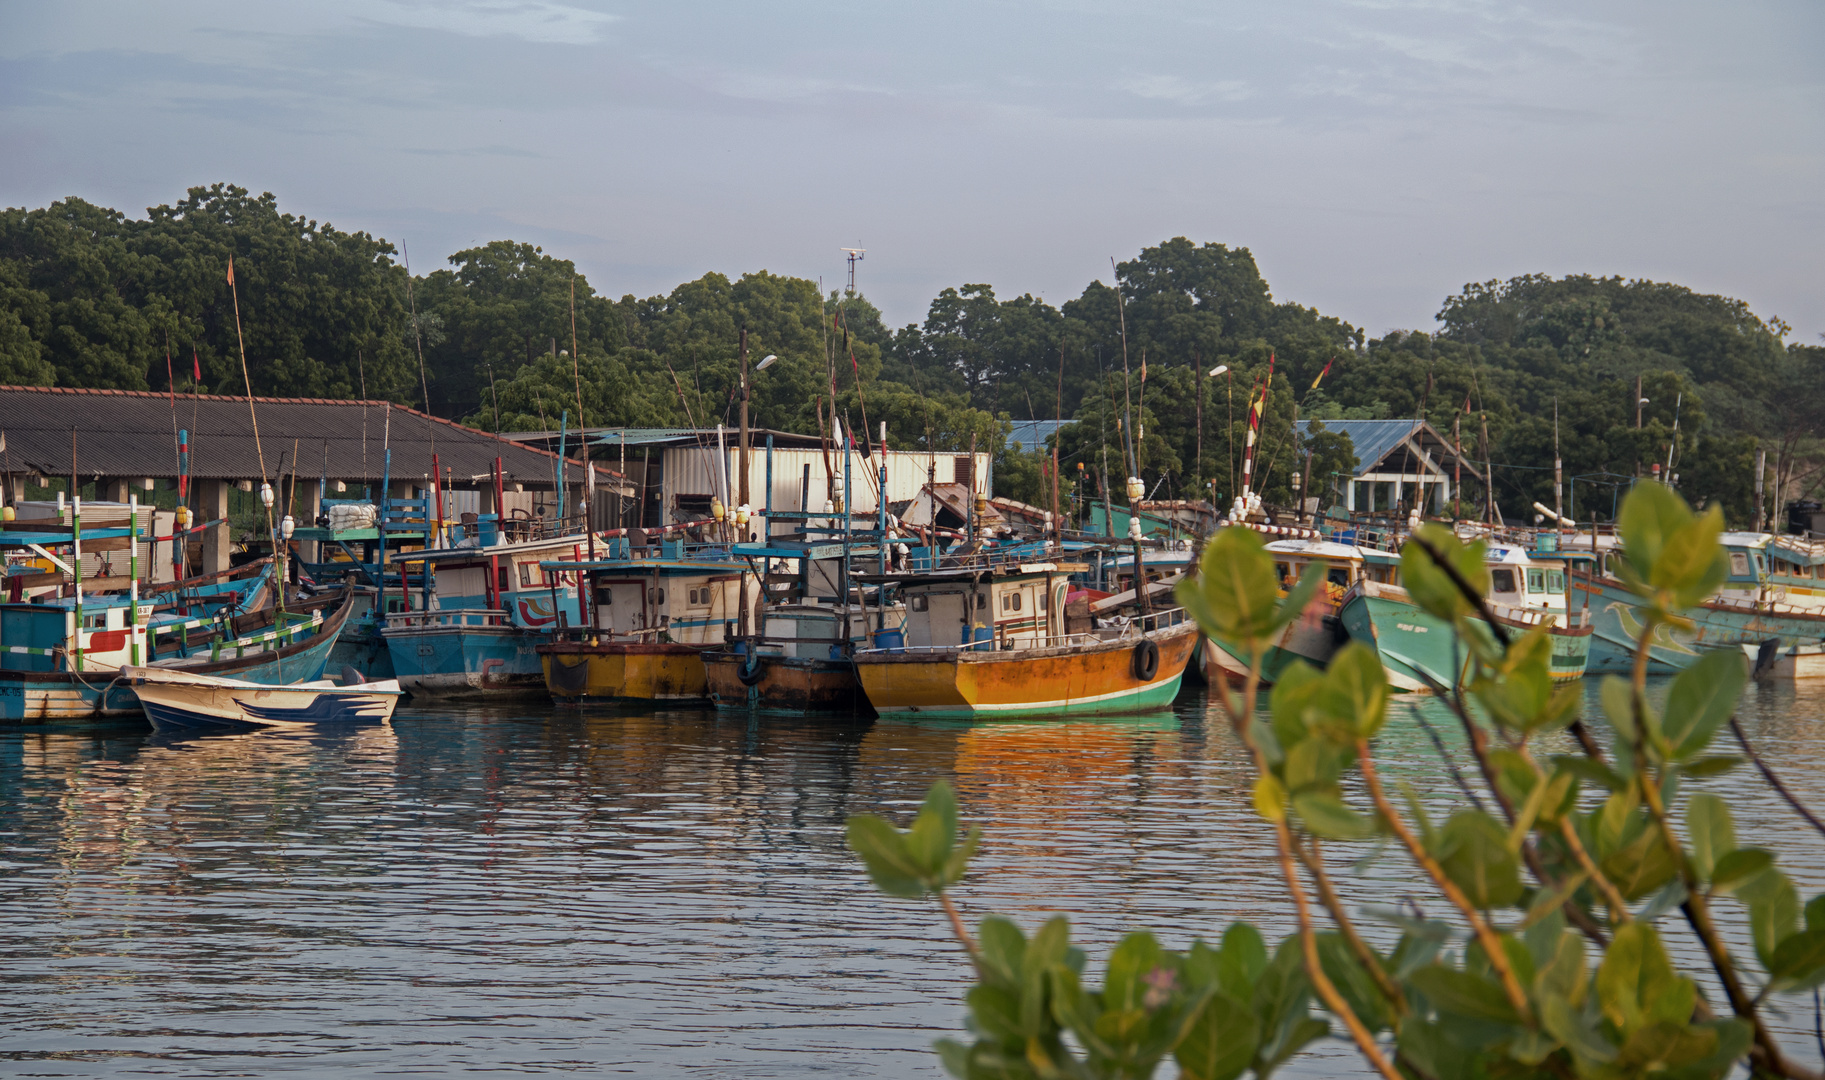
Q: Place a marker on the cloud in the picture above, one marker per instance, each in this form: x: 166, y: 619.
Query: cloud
x: 537, y: 21
x: 1183, y: 91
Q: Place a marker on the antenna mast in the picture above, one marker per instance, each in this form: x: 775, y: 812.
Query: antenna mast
x: 855, y: 256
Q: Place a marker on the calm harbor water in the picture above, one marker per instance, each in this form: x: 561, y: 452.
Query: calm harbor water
x: 646, y: 893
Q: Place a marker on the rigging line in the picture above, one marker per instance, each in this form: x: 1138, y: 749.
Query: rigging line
x: 171, y: 387
x: 418, y: 340
x: 247, y: 380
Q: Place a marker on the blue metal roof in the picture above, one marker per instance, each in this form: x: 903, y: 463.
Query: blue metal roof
x: 1375, y: 440
x: 1031, y: 435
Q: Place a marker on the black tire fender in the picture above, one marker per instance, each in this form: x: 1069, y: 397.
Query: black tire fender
x: 749, y: 670
x: 1145, y: 660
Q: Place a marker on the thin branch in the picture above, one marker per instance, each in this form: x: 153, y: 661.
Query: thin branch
x: 962, y: 933
x: 1774, y: 781
x: 1438, y: 744
x: 1314, y: 865
x: 1486, y: 935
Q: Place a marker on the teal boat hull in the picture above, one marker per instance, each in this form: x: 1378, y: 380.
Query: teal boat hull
x: 1715, y: 626
x: 1420, y: 651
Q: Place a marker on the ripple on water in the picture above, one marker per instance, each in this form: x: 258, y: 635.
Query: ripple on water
x: 655, y: 893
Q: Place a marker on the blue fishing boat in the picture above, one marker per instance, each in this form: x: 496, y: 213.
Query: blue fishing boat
x: 1774, y: 592
x: 479, y: 615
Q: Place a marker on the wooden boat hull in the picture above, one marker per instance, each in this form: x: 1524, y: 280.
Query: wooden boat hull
x: 1073, y: 680
x: 1717, y: 624
x: 182, y: 701
x: 463, y: 660
x: 578, y: 671
x: 1418, y: 649
x: 37, y: 696
x: 786, y: 684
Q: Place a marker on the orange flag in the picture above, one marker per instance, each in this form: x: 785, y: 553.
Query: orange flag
x: 231, y: 269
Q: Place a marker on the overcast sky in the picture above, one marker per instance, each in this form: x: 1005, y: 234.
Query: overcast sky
x: 1373, y: 155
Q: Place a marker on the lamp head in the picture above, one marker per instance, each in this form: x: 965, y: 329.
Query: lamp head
x: 1218, y: 370
x: 765, y: 362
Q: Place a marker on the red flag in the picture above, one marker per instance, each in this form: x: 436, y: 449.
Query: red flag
x: 1466, y: 403
x: 231, y: 269
x: 196, y: 365
x: 1322, y: 374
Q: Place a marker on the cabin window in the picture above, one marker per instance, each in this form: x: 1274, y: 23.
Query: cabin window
x: 502, y: 582
x: 605, y: 597
x: 919, y: 603
x: 1285, y: 570
x: 655, y: 596
x: 982, y: 601
x: 698, y: 597
x: 1555, y: 581
x: 1010, y: 601
x: 1536, y: 581
x: 1739, y: 564
x: 1502, y: 581
x: 1761, y: 564
x: 528, y: 578
x: 1338, y: 576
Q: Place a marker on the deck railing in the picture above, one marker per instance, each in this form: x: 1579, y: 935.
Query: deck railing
x: 448, y: 617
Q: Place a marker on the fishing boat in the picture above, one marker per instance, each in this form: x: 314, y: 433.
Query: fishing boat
x: 52, y: 668
x: 1420, y: 651
x: 186, y: 699
x: 994, y: 641
x: 1318, y: 632
x: 652, y: 614
x: 1773, y: 592
x: 480, y: 615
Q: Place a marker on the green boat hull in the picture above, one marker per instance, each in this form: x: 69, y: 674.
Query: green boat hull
x: 1419, y: 651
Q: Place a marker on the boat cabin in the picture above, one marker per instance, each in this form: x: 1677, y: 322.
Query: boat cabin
x: 665, y: 599
x: 1016, y: 607
x: 1343, y: 563
x: 509, y: 578
x: 1765, y: 568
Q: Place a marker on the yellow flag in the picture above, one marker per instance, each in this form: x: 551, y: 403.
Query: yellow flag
x: 231, y: 269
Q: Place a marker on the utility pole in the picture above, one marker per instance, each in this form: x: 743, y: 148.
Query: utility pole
x: 741, y: 498
x: 1558, y: 470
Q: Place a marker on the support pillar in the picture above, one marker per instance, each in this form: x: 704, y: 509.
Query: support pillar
x: 1349, y: 495
x: 111, y: 489
x: 309, y: 505
x: 211, y: 503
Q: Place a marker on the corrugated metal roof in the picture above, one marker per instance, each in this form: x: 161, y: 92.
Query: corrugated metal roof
x: 1031, y: 435
x: 706, y: 437
x: 127, y: 433
x: 1375, y: 440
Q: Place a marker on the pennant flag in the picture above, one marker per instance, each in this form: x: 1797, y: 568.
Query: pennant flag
x: 196, y: 365
x: 231, y: 269
x: 1466, y: 403
x: 1322, y: 374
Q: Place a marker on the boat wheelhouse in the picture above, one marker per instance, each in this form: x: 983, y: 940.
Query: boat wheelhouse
x: 1317, y: 633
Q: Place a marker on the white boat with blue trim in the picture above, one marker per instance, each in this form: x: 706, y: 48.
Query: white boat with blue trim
x: 181, y: 699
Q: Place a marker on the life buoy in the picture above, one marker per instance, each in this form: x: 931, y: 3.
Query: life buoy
x: 749, y: 671
x: 1146, y: 660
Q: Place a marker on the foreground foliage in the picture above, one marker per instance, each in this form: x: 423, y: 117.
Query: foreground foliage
x: 1556, y: 889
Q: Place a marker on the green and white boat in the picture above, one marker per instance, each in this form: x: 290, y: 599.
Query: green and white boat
x: 1317, y: 633
x: 1419, y: 651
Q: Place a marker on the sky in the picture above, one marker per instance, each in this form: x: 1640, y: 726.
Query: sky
x: 1374, y: 155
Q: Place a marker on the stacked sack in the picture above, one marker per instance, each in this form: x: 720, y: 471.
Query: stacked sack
x: 345, y: 516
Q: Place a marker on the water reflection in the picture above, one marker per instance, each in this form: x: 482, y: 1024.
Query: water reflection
x: 619, y: 890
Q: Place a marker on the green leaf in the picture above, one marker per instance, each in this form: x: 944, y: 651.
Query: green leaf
x: 1636, y: 984
x: 1356, y: 984
x: 1327, y: 815
x: 934, y: 831
x: 1618, y: 699
x: 1293, y: 695
x: 1355, y: 690
x: 1774, y: 911
x: 1003, y: 950
x: 1221, y: 1041
x: 883, y: 851
x: 1650, y: 514
x: 1815, y: 913
x: 1563, y: 973
x: 1241, y: 958
x: 1568, y: 1024
x: 1433, y: 1052
x: 1702, y: 697
x: 1234, y: 595
x: 1712, y: 832
x: 1799, y: 959
x: 1735, y: 869
x: 1692, y: 564
x: 1473, y: 851
x: 1270, y: 797
x: 1429, y: 586
x: 1590, y: 769
x: 1299, y: 597
x: 1712, y: 765
x: 1641, y: 864
x: 1518, y: 691
x: 1462, y: 994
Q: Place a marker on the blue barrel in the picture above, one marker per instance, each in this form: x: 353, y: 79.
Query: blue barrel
x: 985, y: 639
x: 891, y: 640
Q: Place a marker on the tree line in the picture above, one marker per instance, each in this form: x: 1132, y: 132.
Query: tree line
x: 94, y: 298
